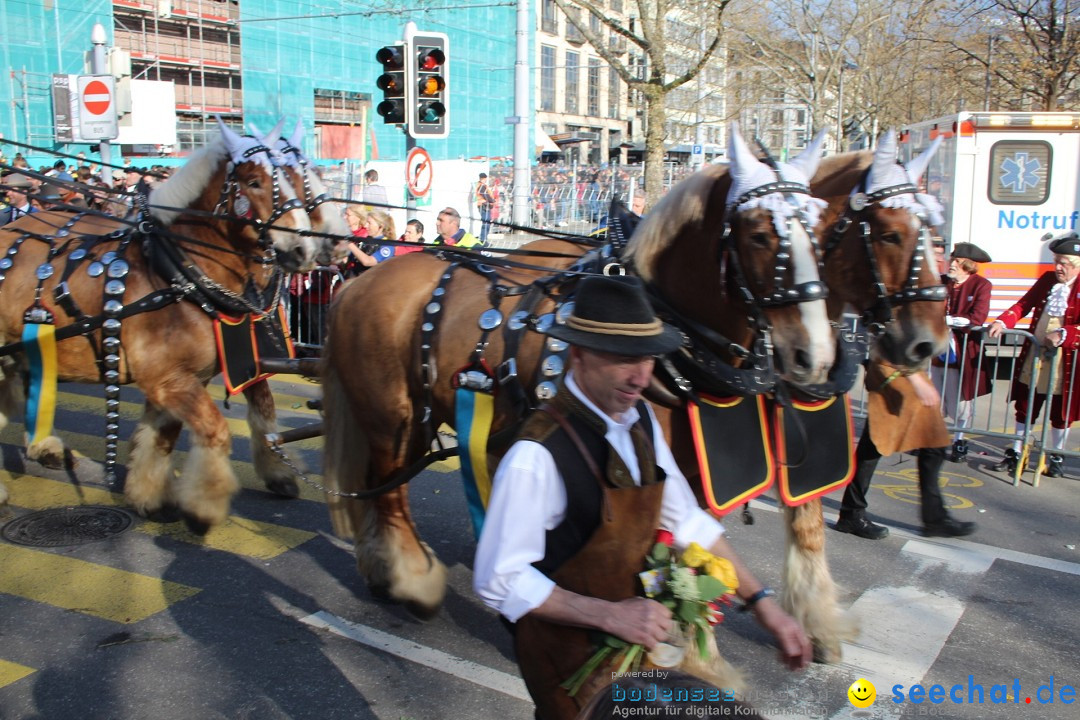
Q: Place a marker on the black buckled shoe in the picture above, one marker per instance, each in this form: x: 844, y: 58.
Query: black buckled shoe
x: 861, y: 526
x: 1055, y: 466
x: 1008, y: 463
x: 948, y: 527
x: 959, y: 451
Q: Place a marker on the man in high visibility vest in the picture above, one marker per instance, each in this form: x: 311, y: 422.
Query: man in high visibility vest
x: 448, y: 224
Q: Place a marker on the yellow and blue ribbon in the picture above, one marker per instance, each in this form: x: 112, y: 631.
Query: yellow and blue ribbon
x: 40, y: 342
x: 474, y: 412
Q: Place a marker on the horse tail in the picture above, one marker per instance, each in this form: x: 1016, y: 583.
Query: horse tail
x: 347, y: 452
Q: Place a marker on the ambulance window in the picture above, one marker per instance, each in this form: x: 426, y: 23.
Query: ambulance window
x: 1020, y: 172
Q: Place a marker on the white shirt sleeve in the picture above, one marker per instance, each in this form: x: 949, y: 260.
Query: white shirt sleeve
x: 680, y: 512
x: 527, y: 499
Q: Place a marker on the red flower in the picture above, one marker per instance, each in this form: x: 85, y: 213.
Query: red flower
x: 665, y: 537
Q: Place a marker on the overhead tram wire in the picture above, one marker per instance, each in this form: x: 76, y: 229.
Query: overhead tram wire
x: 370, y: 13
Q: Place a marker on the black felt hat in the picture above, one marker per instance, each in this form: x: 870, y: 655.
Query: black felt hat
x: 613, y: 315
x: 1068, y: 245
x: 970, y: 251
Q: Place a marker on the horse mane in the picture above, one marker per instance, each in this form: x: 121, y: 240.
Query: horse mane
x: 685, y: 204
x: 837, y: 174
x: 188, y: 183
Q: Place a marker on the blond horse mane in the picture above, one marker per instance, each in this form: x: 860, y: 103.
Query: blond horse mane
x: 837, y: 174
x: 188, y: 183
x: 685, y: 204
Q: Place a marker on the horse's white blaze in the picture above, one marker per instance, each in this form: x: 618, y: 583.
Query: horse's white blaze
x: 285, y: 239
x: 815, y: 318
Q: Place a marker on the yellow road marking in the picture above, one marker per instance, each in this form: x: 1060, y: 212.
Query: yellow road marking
x: 239, y: 536
x: 86, y: 587
x: 13, y: 672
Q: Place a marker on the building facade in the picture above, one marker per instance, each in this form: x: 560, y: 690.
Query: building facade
x: 255, y: 61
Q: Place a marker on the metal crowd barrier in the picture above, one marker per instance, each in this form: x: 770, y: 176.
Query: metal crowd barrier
x: 308, y: 302
x: 993, y: 415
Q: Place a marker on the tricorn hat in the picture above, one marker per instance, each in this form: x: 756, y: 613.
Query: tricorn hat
x: 613, y: 315
x: 970, y: 251
x: 1066, y: 245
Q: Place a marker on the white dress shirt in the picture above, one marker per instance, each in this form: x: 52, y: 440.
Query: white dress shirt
x: 529, y: 498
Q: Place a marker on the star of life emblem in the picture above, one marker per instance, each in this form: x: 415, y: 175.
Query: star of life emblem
x: 1020, y: 172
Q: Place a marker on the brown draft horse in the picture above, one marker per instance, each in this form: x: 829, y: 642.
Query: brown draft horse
x: 373, y: 386
x: 374, y: 396
x: 234, y: 214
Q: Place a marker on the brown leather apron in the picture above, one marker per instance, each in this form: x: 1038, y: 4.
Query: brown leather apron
x: 607, y: 568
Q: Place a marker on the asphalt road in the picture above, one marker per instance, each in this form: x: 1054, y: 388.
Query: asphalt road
x: 267, y: 617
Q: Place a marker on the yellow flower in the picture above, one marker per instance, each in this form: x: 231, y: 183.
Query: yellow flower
x: 722, y: 569
x: 696, y: 556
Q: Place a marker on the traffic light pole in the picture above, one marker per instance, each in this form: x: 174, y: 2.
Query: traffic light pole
x: 410, y: 199
x: 410, y: 141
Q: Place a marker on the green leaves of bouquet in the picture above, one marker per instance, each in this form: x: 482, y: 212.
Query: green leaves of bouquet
x: 693, y: 585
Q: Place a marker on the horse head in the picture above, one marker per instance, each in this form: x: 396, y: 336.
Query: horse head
x: 256, y: 189
x: 878, y: 256
x: 747, y: 267
x: 327, y: 217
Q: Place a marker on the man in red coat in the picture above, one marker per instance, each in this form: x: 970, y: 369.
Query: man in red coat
x: 958, y: 374
x: 1054, y: 300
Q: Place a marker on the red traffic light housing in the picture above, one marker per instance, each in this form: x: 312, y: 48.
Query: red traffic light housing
x: 394, y: 84
x: 429, y: 107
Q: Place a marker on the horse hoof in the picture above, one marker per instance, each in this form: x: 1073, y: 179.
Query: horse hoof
x: 283, y: 487
x: 380, y: 593
x: 421, y: 612
x: 165, y: 514
x: 196, y: 526
x: 827, y: 655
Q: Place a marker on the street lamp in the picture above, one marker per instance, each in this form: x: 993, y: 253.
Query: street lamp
x: 845, y: 65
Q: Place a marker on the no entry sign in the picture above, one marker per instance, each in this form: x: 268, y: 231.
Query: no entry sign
x: 96, y: 97
x: 97, y: 107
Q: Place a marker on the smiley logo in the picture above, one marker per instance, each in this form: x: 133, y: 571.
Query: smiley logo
x: 862, y: 693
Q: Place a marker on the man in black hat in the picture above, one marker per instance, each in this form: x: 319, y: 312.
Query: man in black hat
x: 579, y: 497
x: 957, y: 374
x: 485, y: 203
x: 1054, y: 301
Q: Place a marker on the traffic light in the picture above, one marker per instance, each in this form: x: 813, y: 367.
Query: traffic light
x: 429, y: 115
x: 393, y: 83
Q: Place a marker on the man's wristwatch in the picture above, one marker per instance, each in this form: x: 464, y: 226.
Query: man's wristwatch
x: 750, y: 602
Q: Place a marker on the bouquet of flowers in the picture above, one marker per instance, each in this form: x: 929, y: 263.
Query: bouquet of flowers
x: 694, y: 585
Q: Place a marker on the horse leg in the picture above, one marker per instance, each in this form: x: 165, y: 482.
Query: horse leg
x: 10, y: 394
x: 390, y: 555
x: 262, y: 419
x: 207, y: 482
x: 150, y: 466
x: 809, y: 592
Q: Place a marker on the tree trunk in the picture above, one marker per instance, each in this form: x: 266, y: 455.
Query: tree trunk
x: 655, y: 134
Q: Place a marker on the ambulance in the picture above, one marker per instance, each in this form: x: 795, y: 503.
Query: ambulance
x: 1008, y: 181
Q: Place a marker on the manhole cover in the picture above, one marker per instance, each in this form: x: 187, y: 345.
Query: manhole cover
x: 57, y: 527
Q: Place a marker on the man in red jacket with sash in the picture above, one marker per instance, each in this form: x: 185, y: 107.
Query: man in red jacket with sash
x: 1054, y: 301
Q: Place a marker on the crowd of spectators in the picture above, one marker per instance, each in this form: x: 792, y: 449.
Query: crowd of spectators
x: 76, y: 185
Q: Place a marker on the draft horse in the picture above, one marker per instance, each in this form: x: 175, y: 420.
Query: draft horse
x: 724, y: 284
x: 400, y: 334
x: 874, y: 247
x: 134, y: 301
